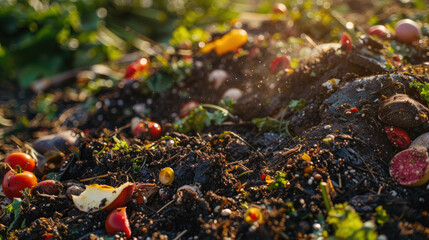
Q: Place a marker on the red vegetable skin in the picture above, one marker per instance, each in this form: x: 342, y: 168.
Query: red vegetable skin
x: 25, y: 161
x: 136, y: 67
x: 398, y: 137
x: 13, y: 183
x: 49, y: 187
x: 379, y: 31
x: 410, y: 167
x: 139, y: 129
x: 278, y: 64
x: 155, y: 130
x: 117, y: 221
x: 407, y: 31
x: 346, y: 42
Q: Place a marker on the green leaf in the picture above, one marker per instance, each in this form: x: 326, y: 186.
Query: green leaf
x: 420, y: 4
x: 373, y: 20
x: 197, y: 120
x: 381, y: 215
x: 120, y: 144
x: 348, y: 224
x: 160, y: 82
x: 297, y: 104
x: 280, y: 181
x: 15, y: 208
x: 200, y: 118
x: 269, y: 124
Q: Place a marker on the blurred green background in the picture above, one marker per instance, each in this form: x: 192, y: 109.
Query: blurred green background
x: 42, y: 38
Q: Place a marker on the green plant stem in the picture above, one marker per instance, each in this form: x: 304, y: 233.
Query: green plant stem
x: 225, y: 111
x: 326, y: 197
x: 244, y: 173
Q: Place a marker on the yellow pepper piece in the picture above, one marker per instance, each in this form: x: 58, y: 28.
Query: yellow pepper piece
x: 253, y: 215
x: 305, y: 157
x: 228, y: 43
x: 208, y: 47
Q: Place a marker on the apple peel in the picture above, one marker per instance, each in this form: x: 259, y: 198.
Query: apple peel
x: 103, y: 197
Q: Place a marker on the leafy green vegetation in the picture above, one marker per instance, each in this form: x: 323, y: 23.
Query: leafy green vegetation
x: 280, y: 181
x: 43, y: 38
x: 422, y: 88
x: 15, y: 209
x: 381, y: 215
x: 297, y: 105
x: 201, y: 118
x: 120, y: 144
x: 269, y: 124
x: 348, y: 224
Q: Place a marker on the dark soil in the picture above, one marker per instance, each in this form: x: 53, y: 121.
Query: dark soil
x: 218, y: 171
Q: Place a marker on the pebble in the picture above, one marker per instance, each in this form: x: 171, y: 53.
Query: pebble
x: 382, y: 237
x: 226, y: 212
x: 393, y: 193
x: 317, y: 226
x: 217, y: 209
x: 327, y: 127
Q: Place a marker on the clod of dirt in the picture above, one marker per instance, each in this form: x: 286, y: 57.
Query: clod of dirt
x: 402, y: 111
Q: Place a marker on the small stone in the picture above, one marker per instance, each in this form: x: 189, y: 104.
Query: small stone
x: 327, y: 127
x: 226, y: 212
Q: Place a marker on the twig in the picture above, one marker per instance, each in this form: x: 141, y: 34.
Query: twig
x: 46, y: 83
x: 99, y: 176
x: 180, y: 235
x: 248, y: 144
x: 143, y: 37
x: 343, y: 23
x: 165, y: 206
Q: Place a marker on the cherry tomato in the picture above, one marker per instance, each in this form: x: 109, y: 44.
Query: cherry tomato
x: 25, y: 161
x: 13, y: 183
x: 136, y: 67
x: 117, y: 221
x: 155, y: 130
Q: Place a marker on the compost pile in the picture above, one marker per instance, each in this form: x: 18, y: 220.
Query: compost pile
x: 265, y: 148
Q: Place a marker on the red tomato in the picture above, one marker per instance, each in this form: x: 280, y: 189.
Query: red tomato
x: 13, y: 183
x: 155, y: 130
x: 117, y: 221
x: 25, y: 161
x: 136, y: 67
